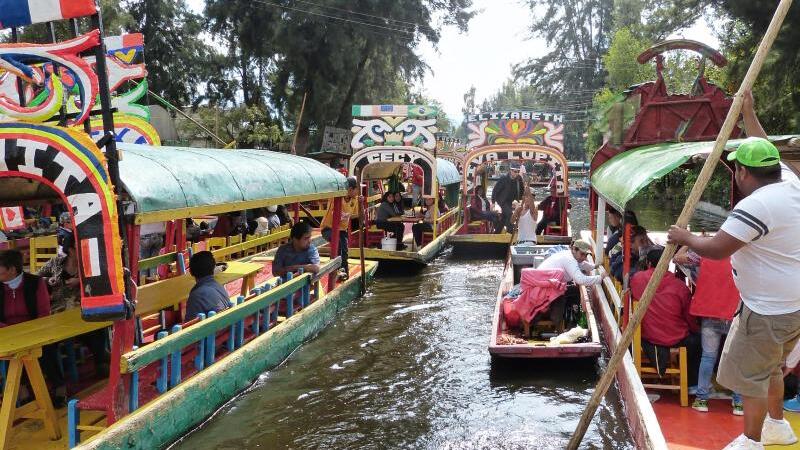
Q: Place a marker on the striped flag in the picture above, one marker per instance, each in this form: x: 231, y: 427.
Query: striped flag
x: 18, y: 13
x: 90, y: 257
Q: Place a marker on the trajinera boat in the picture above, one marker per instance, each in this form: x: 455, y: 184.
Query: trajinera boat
x: 532, y: 142
x: 657, y: 406
x: 411, y: 196
x: 167, y: 372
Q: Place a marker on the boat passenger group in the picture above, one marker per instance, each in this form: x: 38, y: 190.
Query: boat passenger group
x: 55, y: 286
x: 513, y: 214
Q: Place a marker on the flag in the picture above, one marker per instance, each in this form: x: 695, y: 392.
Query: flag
x: 18, y: 13
x: 12, y: 218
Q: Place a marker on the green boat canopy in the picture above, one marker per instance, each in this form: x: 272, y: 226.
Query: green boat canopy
x: 625, y: 175
x: 446, y: 172
x: 172, y: 178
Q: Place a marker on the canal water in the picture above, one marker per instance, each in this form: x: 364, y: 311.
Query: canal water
x: 407, y: 366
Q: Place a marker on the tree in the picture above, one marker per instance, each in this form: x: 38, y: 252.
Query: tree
x: 176, y: 55
x: 248, y: 126
x: 337, y: 52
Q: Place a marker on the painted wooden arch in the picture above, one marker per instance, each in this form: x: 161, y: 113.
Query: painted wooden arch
x: 69, y: 163
x: 397, y: 154
x: 518, y: 152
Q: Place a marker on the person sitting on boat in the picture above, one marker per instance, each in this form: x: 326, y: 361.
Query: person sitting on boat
x: 62, y: 275
x: 524, y: 218
x: 640, y: 245
x: 24, y: 297
x: 386, y: 211
x: 426, y: 226
x: 615, y: 229
x: 349, y: 210
x: 508, y: 189
x: 481, y: 209
x: 64, y: 228
x: 298, y: 253
x: 443, y: 208
x: 668, y: 322
x: 714, y: 302
x: 272, y: 217
x: 573, y: 263
x: 551, y: 210
x: 206, y: 295
x: 399, y: 208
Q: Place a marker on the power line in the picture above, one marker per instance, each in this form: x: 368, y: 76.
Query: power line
x: 365, y: 14
x: 405, y: 31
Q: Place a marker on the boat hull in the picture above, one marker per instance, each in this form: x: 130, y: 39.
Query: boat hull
x: 590, y: 349
x: 175, y: 413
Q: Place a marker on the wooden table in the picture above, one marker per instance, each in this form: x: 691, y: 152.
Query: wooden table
x: 21, y: 344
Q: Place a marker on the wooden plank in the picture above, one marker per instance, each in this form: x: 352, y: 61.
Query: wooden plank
x: 140, y: 358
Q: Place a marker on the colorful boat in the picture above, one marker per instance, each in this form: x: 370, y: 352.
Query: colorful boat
x: 389, y: 143
x: 657, y: 409
x: 526, y: 137
x: 511, y: 342
x: 167, y: 372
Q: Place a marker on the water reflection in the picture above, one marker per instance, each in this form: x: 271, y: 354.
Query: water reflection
x: 407, y: 367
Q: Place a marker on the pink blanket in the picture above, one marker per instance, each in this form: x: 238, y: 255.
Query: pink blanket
x: 539, y: 289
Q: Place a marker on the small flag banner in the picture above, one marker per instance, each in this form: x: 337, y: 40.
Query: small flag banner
x: 413, y: 111
x: 18, y: 13
x: 12, y: 218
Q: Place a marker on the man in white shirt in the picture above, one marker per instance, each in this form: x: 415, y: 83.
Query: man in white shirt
x: 760, y: 235
x: 573, y: 263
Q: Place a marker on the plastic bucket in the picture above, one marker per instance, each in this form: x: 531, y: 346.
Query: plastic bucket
x: 389, y: 243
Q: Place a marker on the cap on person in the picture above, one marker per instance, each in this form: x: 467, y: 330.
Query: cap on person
x: 756, y: 152
x: 64, y: 217
x: 514, y: 167
x: 581, y: 245
x: 352, y: 183
x: 272, y: 208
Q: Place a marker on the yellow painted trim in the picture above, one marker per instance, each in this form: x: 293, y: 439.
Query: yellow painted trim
x: 502, y: 238
x: 182, y: 213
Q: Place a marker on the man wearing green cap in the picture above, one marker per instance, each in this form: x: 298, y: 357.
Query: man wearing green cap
x: 760, y: 236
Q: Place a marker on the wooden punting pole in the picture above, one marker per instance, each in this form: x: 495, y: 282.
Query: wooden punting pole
x: 688, y: 209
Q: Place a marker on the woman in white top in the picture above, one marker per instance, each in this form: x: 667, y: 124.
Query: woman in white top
x: 524, y: 219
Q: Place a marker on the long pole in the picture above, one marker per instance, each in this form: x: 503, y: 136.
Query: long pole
x: 361, y: 232
x: 688, y: 209
x: 299, y: 120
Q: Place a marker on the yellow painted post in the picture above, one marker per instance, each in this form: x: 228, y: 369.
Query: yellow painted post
x: 9, y: 406
x: 684, y: 368
x: 39, y: 386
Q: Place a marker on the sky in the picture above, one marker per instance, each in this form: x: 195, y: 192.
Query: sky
x: 484, y: 55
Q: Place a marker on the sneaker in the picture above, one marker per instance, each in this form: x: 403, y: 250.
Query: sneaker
x: 700, y: 405
x: 744, y: 443
x: 793, y: 404
x: 738, y: 408
x: 777, y: 432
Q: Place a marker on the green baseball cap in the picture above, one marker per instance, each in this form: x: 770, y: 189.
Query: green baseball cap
x: 756, y: 152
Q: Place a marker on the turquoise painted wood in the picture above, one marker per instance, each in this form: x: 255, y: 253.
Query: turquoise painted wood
x: 162, y: 348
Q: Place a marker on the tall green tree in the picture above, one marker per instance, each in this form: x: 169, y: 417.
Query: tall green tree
x: 176, y: 54
x: 335, y: 52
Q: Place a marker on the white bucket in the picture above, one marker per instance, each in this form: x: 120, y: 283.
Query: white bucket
x: 389, y: 243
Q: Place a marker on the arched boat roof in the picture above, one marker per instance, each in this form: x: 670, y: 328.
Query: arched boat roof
x: 620, y: 178
x: 174, y: 182
x: 447, y: 172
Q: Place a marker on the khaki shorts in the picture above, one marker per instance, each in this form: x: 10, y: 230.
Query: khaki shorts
x: 755, y: 351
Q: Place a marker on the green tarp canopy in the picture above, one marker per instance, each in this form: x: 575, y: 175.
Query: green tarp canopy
x: 170, y: 178
x: 623, y: 176
x: 446, y: 172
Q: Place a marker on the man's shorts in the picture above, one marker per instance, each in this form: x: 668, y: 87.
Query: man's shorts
x: 755, y: 350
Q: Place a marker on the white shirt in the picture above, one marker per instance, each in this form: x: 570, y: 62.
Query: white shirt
x: 766, y: 269
x: 565, y: 260
x: 526, y: 227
